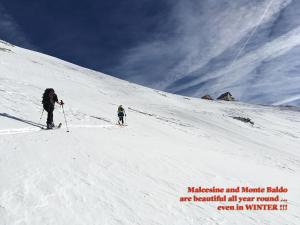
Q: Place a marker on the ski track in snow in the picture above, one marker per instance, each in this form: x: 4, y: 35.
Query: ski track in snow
x: 35, y: 129
x: 19, y: 130
x: 91, y: 126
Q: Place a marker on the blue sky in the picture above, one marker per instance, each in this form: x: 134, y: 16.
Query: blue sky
x: 150, y: 42
x: 100, y: 35
x: 182, y: 46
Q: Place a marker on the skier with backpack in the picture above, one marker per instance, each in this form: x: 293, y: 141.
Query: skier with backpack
x: 121, y: 114
x: 49, y: 100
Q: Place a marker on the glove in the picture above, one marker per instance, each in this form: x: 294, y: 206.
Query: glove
x: 61, y: 102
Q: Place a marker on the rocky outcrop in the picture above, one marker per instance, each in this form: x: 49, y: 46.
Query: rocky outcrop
x: 226, y: 97
x: 243, y: 119
x: 207, y: 97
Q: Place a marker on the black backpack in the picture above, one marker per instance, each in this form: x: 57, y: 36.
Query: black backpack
x: 48, y: 96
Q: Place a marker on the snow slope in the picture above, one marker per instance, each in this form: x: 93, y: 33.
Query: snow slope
x: 100, y: 173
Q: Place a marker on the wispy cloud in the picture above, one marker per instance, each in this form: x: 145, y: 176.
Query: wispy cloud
x: 10, y: 30
x: 198, y: 32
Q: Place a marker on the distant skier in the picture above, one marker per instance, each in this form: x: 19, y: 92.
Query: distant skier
x: 49, y: 100
x: 121, y: 114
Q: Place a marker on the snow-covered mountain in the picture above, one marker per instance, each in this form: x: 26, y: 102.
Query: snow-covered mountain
x: 100, y: 173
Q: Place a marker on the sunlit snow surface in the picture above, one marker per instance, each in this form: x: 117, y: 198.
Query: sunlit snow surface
x: 99, y: 173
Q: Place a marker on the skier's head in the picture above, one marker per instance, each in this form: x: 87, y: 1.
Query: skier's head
x: 49, y: 91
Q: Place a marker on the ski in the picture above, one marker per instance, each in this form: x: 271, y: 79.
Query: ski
x: 53, y: 128
x: 122, y: 125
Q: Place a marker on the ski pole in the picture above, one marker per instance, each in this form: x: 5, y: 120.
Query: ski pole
x: 41, y: 116
x: 65, y: 118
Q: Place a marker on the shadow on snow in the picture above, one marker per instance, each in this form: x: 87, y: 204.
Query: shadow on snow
x: 22, y: 120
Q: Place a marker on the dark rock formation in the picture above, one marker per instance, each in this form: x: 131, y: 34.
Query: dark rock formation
x: 226, y: 97
x: 245, y: 120
x: 207, y: 97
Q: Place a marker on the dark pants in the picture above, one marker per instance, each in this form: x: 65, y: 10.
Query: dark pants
x: 49, y: 109
x: 121, y: 119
